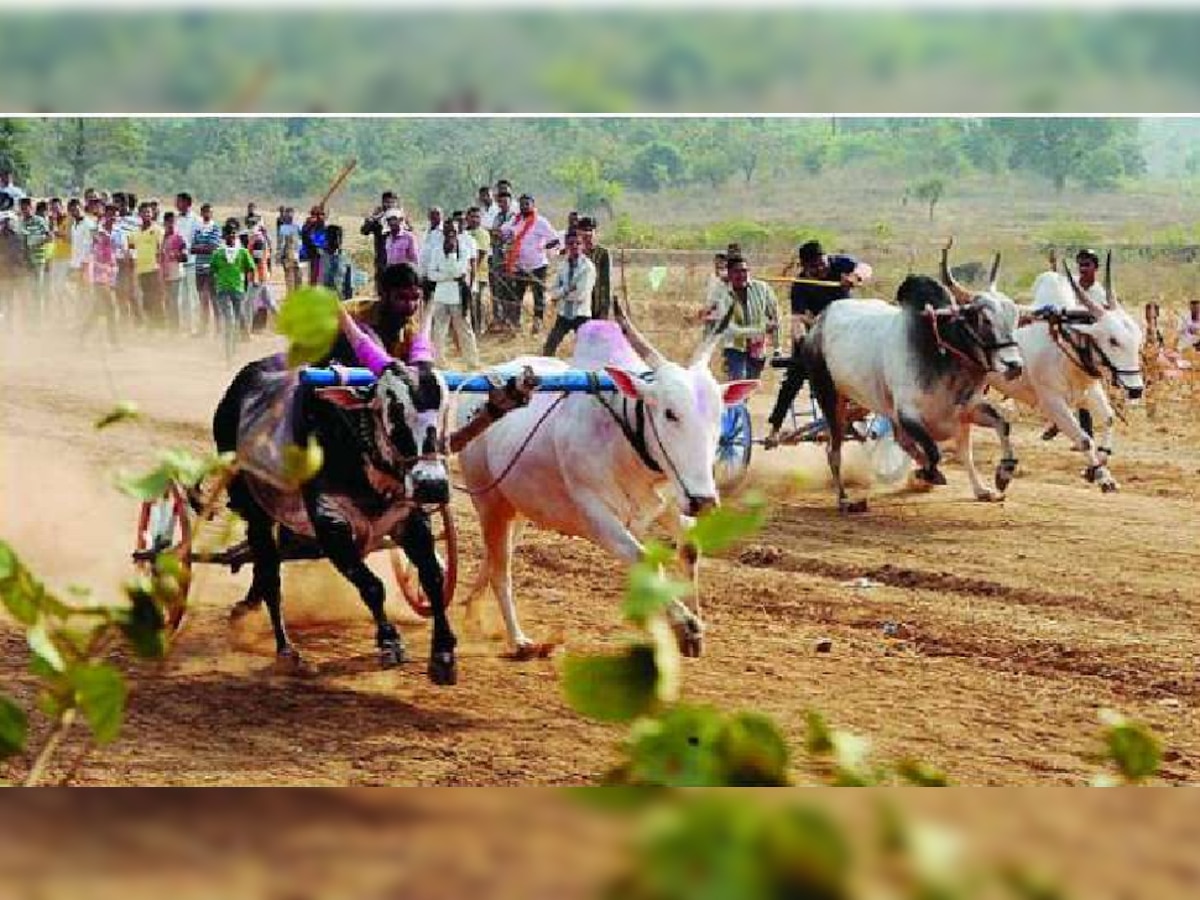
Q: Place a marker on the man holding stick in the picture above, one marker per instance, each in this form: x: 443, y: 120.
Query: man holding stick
x: 822, y: 280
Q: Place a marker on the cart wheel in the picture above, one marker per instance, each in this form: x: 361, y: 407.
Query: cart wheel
x: 445, y: 538
x: 734, y: 446
x: 165, y: 525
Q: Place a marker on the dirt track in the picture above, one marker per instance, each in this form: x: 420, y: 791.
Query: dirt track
x: 1021, y: 619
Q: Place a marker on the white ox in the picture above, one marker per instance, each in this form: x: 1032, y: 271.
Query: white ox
x: 921, y: 363
x: 1066, y: 353
x: 597, y: 466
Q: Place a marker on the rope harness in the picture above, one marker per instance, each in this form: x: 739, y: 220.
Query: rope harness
x: 1083, y: 349
x: 635, y: 434
x: 954, y: 315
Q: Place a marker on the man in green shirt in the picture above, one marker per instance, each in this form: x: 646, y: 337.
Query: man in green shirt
x: 232, y: 271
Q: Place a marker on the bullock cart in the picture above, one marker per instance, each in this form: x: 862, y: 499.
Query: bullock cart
x: 171, y: 522
x: 737, y: 441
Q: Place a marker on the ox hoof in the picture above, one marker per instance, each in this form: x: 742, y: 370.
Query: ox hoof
x: 986, y: 496
x: 931, y: 476
x: 852, y: 506
x: 290, y: 662
x: 243, y: 608
x: 391, y: 654
x: 1004, y: 474
x: 691, y: 646
x: 443, y: 670
x: 528, y: 651
x: 1108, y: 487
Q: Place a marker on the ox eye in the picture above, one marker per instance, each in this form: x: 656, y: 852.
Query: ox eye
x: 1114, y: 342
x: 671, y: 417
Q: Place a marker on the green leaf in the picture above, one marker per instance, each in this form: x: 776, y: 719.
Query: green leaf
x: 8, y: 561
x: 19, y: 591
x: 678, y: 749
x: 122, y: 412
x: 143, y: 624
x: 148, y: 486
x: 819, y: 740
x: 1134, y: 750
x: 308, y: 319
x: 726, y: 525
x: 649, y: 592
x: 753, y: 751
x: 43, y: 646
x: 14, y: 727
x: 807, y: 853
x: 100, y: 692
x: 921, y: 774
x: 301, y: 464
x: 612, y: 688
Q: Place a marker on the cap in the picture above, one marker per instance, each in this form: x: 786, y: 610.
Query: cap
x: 393, y: 214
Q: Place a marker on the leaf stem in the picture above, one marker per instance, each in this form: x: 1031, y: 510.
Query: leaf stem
x: 49, y: 748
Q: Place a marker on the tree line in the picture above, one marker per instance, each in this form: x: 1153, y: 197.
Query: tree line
x: 584, y: 163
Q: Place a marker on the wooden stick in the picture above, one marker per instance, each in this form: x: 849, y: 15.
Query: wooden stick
x: 801, y: 281
x: 337, y: 183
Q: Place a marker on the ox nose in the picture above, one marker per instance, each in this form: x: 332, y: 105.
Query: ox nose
x: 1134, y: 393
x: 431, y: 490
x: 697, y: 506
x: 1013, y: 369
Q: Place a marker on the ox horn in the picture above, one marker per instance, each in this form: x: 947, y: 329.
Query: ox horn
x: 705, y: 350
x: 960, y: 293
x: 995, y: 273
x: 640, y: 345
x: 1081, y: 295
x: 1110, y: 299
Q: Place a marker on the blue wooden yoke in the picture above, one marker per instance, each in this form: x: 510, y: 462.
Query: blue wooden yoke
x: 572, y: 382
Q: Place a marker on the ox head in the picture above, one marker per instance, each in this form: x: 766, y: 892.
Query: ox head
x: 683, y: 406
x: 409, y: 406
x: 988, y: 318
x: 1116, y: 334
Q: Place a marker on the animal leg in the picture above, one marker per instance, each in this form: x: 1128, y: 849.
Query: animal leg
x: 420, y: 547
x: 986, y: 415
x: 1096, y: 400
x: 832, y: 406
x: 336, y: 539
x: 610, y: 533
x: 264, y: 586
x: 1059, y: 412
x: 689, y: 557
x: 929, y: 473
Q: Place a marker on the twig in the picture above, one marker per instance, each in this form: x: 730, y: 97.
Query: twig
x: 48, y: 749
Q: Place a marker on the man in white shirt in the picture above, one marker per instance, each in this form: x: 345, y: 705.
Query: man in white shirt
x: 83, y: 225
x: 9, y: 190
x: 431, y: 240
x: 186, y: 223
x: 447, y: 265
x: 489, y: 209
x: 571, y: 294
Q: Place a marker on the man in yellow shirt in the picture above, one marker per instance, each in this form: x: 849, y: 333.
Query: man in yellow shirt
x: 146, y: 243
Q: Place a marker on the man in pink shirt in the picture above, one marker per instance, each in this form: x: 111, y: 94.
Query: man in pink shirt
x: 399, y: 244
x: 525, y: 262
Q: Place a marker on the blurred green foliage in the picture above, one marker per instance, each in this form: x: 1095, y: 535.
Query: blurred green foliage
x: 598, y: 60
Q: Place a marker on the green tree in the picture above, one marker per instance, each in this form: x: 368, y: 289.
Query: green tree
x: 589, y: 189
x: 929, y: 191
x: 84, y: 144
x: 656, y: 165
x: 14, y: 135
x: 1062, y: 149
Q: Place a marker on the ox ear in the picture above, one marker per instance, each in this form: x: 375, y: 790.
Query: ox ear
x: 627, y: 383
x: 735, y: 392
x: 346, y: 397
